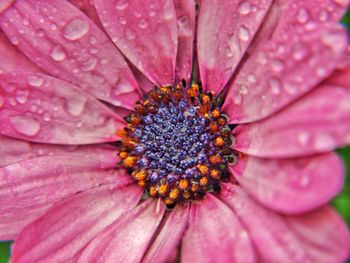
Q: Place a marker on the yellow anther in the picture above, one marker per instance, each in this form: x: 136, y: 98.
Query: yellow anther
x: 141, y: 183
x: 214, y: 159
x: 203, y: 169
x: 203, y: 181
x: 219, y: 141
x: 140, y: 174
x: 174, y: 193
x: 129, y: 161
x: 123, y: 155
x: 152, y: 191
x: 163, y: 189
x: 215, y: 174
x: 183, y: 184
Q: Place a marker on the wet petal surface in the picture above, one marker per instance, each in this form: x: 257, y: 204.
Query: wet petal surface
x: 66, y: 228
x: 299, y: 45
x: 314, y: 124
x: 291, y: 185
x: 60, y: 39
x: 320, y: 236
x: 145, y: 32
x: 40, y: 108
x: 215, y: 235
x: 29, y: 187
x: 130, y: 235
x: 225, y: 30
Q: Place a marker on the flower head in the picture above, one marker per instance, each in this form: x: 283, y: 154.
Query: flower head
x: 123, y: 141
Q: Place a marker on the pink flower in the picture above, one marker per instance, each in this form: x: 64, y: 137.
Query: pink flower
x: 69, y: 76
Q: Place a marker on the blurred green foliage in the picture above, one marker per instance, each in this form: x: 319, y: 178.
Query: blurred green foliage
x: 341, y: 202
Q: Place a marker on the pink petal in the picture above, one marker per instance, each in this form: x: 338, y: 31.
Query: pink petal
x: 298, y: 47
x: 126, y: 239
x: 185, y: 13
x: 40, y: 108
x: 29, y: 187
x: 88, y: 8
x: 13, y: 150
x: 66, y: 228
x: 12, y: 59
x: 169, y: 237
x: 60, y: 39
x: 327, y: 236
x: 145, y: 32
x: 317, y: 123
x: 225, y: 30
x: 291, y: 185
x: 215, y: 235
x: 340, y: 77
x: 276, y: 241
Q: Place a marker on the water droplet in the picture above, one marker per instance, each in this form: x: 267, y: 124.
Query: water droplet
x: 303, y: 138
x: 76, y: 106
x: 237, y: 99
x: 25, y: 21
x: 303, y: 16
x: 168, y: 11
x: 14, y: 40
x: 275, y: 86
x: 277, y: 65
x: 57, y: 53
x: 252, y: 78
x: 244, y: 8
x: 76, y: 29
x: 90, y: 64
x: 22, y: 96
x: 25, y: 125
x: 262, y: 58
x: 290, y: 89
x: 143, y: 23
x: 300, y: 52
x: 53, y: 26
x: 243, y: 33
x: 121, y: 4
x: 335, y: 40
x: 130, y: 34
x: 123, y: 21
x: 92, y: 40
x: 324, y: 16
x: 152, y: 13
x: 304, y: 180
x: 243, y: 89
x: 46, y: 117
x: 324, y: 142
x: 35, y: 81
x: 79, y: 124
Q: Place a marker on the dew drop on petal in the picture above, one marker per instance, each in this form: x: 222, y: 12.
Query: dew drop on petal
x: 22, y: 96
x: 324, y: 142
x: 57, y: 53
x: 76, y: 29
x: 303, y: 138
x: 35, y: 81
x: 237, y: 99
x: 121, y: 4
x: 130, y: 34
x: 275, y: 86
x: 25, y: 125
x: 243, y: 89
x: 143, y: 23
x: 303, y: 16
x: 244, y: 8
x: 304, y: 180
x: 243, y: 33
x: 76, y: 107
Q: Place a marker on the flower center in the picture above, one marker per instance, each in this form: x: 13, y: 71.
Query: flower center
x: 177, y: 144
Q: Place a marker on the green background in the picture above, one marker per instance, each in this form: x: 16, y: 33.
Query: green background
x: 341, y: 203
